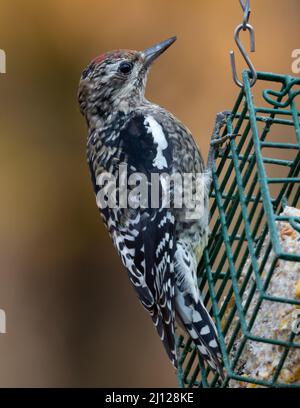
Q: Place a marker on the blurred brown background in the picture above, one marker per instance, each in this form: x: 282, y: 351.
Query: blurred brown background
x: 72, y: 318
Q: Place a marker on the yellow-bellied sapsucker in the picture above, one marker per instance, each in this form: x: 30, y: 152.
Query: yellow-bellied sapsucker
x: 160, y: 246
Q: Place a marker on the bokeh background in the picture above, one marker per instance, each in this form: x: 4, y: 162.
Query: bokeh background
x: 72, y: 318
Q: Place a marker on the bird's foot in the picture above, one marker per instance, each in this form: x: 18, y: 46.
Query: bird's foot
x: 217, y: 141
x: 221, y: 120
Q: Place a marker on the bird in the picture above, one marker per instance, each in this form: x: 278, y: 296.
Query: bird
x: 160, y: 246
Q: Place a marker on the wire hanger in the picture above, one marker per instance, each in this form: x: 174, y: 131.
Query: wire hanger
x: 245, y: 26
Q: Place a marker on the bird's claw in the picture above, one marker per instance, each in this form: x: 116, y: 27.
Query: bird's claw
x: 216, y: 139
x: 221, y: 120
x: 217, y: 142
x: 222, y: 117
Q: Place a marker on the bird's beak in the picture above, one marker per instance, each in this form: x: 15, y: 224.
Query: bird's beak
x: 150, y: 54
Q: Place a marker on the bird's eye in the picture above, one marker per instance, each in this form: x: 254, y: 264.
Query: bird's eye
x: 125, y: 67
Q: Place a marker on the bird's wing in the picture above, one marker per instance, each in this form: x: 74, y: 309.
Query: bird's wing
x: 147, y: 149
x: 146, y: 145
x: 153, y: 273
x: 144, y: 238
x: 184, y: 147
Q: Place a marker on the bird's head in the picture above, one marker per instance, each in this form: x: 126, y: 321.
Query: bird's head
x: 116, y: 80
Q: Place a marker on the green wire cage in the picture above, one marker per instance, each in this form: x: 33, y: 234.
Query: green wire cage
x: 251, y: 268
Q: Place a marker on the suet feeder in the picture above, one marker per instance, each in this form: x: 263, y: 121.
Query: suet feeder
x: 250, y: 273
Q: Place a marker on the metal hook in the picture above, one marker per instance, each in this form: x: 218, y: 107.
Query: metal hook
x: 246, y: 9
x: 244, y: 54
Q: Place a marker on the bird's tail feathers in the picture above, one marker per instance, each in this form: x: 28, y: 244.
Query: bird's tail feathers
x: 202, y: 330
